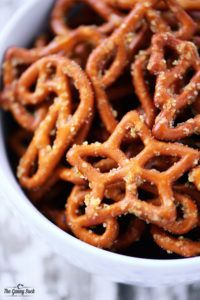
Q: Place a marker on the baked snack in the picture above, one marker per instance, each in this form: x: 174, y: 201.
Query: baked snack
x: 106, y: 118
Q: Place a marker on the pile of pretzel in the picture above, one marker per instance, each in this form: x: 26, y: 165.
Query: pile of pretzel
x: 107, y: 116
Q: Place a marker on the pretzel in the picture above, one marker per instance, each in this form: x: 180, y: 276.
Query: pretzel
x: 190, y: 215
x: 59, y: 26
x: 132, y: 171
x: 142, y: 88
x: 120, y: 172
x: 59, y: 115
x: 121, y: 44
x: 166, y: 98
x: 81, y: 225
x: 179, y: 245
x: 26, y: 119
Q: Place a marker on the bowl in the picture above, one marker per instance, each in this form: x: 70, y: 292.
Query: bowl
x: 131, y: 270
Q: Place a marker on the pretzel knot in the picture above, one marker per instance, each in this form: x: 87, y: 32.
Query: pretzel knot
x: 132, y: 172
x: 172, y: 92
x: 43, y: 155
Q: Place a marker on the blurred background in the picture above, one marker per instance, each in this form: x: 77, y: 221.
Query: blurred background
x: 26, y: 259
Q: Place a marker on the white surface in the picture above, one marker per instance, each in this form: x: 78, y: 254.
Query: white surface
x: 24, y: 257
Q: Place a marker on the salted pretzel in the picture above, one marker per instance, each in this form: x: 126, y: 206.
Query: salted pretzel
x: 167, y: 97
x: 113, y: 46
x: 179, y: 245
x: 19, y: 57
x: 188, y: 221
x: 132, y: 172
x: 59, y: 26
x: 119, y: 47
x: 29, y: 120
x: 81, y: 225
x: 142, y: 88
x: 40, y: 150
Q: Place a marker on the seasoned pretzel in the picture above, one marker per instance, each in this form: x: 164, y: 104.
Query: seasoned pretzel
x: 81, y: 225
x: 26, y: 119
x: 59, y: 115
x: 121, y: 44
x: 59, y: 26
x: 188, y: 221
x: 179, y: 245
x: 133, y: 172
x: 166, y: 98
x: 142, y: 88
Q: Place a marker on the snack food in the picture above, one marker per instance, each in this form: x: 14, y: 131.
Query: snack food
x: 105, y: 123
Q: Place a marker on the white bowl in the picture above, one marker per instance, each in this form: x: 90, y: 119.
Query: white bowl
x: 146, y: 272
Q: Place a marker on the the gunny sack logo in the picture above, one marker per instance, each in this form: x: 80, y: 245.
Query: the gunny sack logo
x: 19, y: 290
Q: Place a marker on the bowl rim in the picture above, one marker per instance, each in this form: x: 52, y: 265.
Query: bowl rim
x: 23, y: 204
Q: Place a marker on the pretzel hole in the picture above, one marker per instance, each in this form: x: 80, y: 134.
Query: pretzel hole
x: 183, y: 116
x: 148, y: 191
x: 75, y: 96
x: 122, y: 97
x: 161, y: 163
x: 171, y: 56
x: 32, y: 87
x: 192, y: 141
x: 184, y: 80
x: 171, y: 21
x: 183, y: 179
x: 20, y: 69
x: 81, y: 14
x: 50, y: 71
x: 101, y: 163
x: 132, y: 148
x: 81, y: 209
x: 193, y: 234
x: 179, y: 211
x: 34, y: 167
x: 124, y: 222
x: 81, y: 53
x: 107, y: 63
x: 98, y: 229
x: 114, y: 193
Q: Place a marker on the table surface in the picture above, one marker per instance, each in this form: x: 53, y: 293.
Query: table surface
x: 26, y: 259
